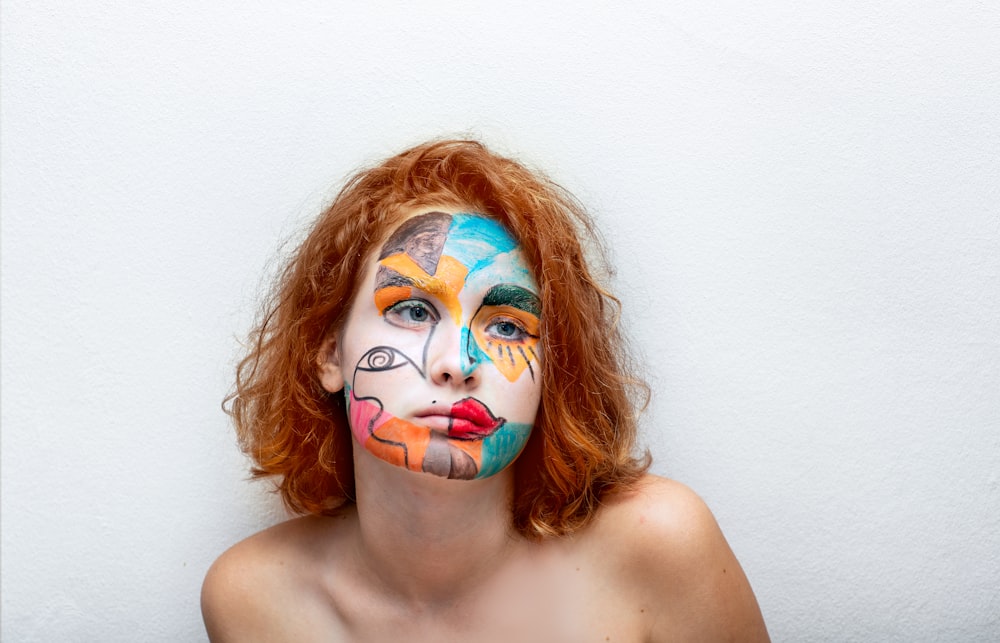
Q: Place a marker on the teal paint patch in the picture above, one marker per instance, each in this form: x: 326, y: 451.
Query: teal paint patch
x: 471, y: 355
x: 475, y: 240
x: 502, y: 447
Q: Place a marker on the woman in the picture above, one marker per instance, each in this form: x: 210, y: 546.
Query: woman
x: 440, y: 388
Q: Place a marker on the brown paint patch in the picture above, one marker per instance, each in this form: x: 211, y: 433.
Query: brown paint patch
x: 422, y: 237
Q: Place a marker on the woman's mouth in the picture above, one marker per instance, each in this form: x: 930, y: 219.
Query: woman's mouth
x: 467, y: 419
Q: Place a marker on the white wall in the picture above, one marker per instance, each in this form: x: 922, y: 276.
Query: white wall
x: 804, y: 204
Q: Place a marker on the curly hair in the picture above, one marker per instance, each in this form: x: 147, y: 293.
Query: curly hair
x: 583, y: 445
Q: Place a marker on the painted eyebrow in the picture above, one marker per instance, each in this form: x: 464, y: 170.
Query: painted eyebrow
x: 387, y: 278
x: 514, y: 296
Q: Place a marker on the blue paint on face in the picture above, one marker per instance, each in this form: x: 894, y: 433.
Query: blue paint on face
x: 484, y: 247
x: 478, y: 243
x: 491, y: 258
x: 500, y: 448
x: 475, y: 241
x: 471, y: 355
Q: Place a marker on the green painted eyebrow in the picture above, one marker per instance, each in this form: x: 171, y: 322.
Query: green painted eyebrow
x: 514, y: 296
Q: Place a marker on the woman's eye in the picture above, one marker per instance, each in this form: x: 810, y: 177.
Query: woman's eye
x: 507, y: 329
x: 411, y: 313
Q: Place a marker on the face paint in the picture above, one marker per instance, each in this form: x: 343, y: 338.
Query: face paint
x: 506, y: 329
x: 444, y: 343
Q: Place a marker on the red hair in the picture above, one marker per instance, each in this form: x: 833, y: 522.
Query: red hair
x: 583, y: 444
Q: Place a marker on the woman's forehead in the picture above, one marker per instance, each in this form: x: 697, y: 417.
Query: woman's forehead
x: 431, y: 240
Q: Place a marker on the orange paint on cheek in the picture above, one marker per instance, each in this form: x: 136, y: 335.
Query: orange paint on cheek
x: 405, y: 444
x: 400, y: 443
x: 474, y: 448
x: 510, y: 360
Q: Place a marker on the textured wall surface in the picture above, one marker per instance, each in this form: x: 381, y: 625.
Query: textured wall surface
x: 804, y: 206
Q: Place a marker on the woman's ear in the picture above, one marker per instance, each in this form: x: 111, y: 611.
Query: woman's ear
x: 331, y: 377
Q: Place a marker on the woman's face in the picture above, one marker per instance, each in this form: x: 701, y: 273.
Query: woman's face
x: 440, y: 357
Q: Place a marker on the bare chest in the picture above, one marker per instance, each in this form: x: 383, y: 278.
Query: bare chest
x: 546, y: 599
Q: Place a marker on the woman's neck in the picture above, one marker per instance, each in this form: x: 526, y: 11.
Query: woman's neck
x: 429, y: 540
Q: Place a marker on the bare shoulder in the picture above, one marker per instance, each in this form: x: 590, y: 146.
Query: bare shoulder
x: 659, y: 525
x: 670, y: 549
x: 659, y: 511
x: 253, y: 588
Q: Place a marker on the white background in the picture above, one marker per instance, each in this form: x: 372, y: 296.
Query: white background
x: 801, y: 198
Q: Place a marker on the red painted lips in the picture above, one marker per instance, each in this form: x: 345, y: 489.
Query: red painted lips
x: 471, y: 419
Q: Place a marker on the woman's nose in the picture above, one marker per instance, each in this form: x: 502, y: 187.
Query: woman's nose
x: 453, y: 356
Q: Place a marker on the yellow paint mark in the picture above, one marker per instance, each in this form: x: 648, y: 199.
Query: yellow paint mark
x: 445, y: 284
x: 511, y: 358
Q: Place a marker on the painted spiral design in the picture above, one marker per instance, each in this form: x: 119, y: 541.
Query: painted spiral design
x: 379, y: 359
